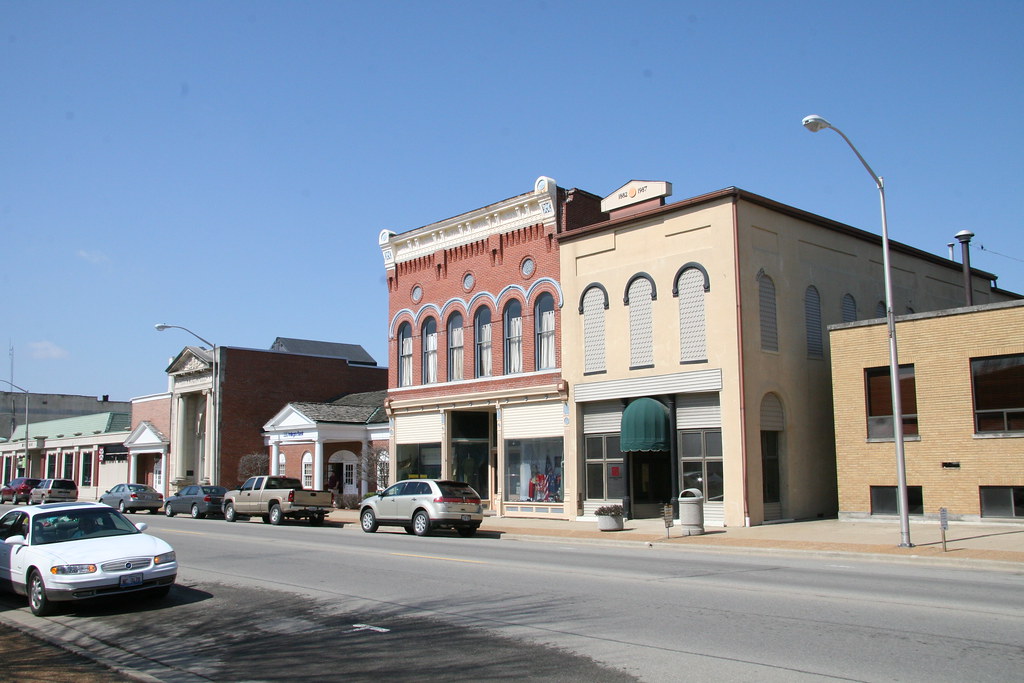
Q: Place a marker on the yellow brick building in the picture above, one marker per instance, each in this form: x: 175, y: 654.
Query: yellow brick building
x: 962, y: 385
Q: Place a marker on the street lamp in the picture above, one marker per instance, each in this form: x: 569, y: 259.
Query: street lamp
x: 215, y: 425
x: 814, y: 123
x: 15, y: 386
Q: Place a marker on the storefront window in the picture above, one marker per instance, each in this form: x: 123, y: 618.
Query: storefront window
x: 87, y: 468
x: 418, y: 461
x: 700, y: 463
x: 533, y: 470
x: 606, y: 473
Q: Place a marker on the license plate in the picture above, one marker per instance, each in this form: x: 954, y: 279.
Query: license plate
x: 465, y: 518
x: 129, y: 580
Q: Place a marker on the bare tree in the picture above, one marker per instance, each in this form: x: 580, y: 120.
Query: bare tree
x: 253, y: 464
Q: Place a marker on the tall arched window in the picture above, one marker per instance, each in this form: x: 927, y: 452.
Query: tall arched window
x: 544, y: 331
x: 593, y: 307
x: 429, y: 337
x: 691, y: 286
x: 512, y: 322
x: 307, y: 470
x: 405, y: 355
x: 880, y: 309
x: 482, y: 335
x: 849, y: 307
x: 769, y: 325
x: 455, y: 347
x: 812, y: 322
x: 640, y: 298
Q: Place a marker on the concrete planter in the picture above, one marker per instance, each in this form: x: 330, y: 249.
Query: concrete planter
x: 609, y: 522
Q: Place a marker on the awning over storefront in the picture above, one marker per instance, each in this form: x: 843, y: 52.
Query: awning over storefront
x: 645, y: 426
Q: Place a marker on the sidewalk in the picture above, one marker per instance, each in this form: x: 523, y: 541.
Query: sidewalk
x: 977, y: 543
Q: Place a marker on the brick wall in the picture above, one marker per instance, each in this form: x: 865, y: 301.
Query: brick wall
x: 156, y: 411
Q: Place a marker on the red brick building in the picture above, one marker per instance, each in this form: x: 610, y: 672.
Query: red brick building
x: 474, y: 386
x: 221, y: 400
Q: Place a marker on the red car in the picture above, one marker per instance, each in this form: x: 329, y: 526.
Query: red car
x: 18, y: 489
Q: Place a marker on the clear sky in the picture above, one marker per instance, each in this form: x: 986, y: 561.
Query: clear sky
x: 227, y: 166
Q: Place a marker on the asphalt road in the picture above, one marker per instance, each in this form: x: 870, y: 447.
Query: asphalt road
x: 257, y: 602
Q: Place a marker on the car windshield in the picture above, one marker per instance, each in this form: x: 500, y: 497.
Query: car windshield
x: 74, y: 525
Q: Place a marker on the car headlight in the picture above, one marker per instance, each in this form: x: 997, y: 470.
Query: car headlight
x: 166, y: 558
x: 73, y: 569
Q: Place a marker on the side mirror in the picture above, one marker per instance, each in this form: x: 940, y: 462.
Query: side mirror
x: 141, y: 526
x: 16, y: 540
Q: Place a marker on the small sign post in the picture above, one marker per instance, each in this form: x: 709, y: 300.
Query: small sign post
x: 943, y: 524
x: 666, y: 513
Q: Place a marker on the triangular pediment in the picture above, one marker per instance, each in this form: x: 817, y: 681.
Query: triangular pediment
x: 289, y: 418
x: 191, y: 361
x: 146, y: 435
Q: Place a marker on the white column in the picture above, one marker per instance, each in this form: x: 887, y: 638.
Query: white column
x: 364, y: 479
x: 275, y: 459
x: 318, y: 465
x: 132, y: 467
x: 180, y: 435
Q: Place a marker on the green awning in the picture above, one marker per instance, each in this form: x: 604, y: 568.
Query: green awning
x: 645, y: 426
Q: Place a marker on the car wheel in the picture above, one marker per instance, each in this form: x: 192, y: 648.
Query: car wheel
x: 368, y: 521
x: 120, y: 507
x: 229, y: 513
x: 2, y: 499
x: 421, y: 523
x: 168, y: 511
x: 466, y: 531
x: 37, y: 600
x: 316, y: 520
x: 276, y: 516
x: 196, y: 514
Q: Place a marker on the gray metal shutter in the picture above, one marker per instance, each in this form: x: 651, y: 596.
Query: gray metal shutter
x: 773, y: 418
x: 769, y: 326
x: 602, y: 417
x: 692, y: 330
x: 812, y: 320
x: 593, y: 330
x: 641, y: 328
x: 849, y: 308
x: 698, y: 411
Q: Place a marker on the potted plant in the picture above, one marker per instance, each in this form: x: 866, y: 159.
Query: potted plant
x: 609, y: 517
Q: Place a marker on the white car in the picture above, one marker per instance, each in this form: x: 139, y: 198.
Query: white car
x: 62, y: 552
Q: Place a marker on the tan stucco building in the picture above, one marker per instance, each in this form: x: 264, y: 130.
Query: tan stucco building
x: 716, y: 307
x: 962, y: 390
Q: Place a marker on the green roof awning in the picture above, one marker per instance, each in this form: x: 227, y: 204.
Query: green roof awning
x: 645, y: 426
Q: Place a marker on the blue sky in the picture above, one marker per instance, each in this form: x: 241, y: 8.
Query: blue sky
x: 227, y: 166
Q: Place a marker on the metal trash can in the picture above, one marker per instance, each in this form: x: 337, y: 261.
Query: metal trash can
x: 691, y: 512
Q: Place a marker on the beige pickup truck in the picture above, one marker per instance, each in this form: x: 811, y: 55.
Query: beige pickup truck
x: 275, y: 499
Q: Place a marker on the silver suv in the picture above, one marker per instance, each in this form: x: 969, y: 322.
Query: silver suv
x: 53, y: 491
x: 422, y: 505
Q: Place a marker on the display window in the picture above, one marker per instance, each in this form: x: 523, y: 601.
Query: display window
x: 533, y: 470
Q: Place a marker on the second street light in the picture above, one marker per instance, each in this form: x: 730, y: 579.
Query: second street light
x: 815, y: 123
x: 214, y: 466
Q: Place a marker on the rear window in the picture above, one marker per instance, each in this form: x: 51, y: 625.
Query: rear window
x: 63, y: 484
x: 452, y: 490
x: 215, y: 490
x: 283, y: 483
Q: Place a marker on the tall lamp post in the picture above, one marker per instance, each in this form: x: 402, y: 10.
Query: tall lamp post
x: 814, y: 123
x: 215, y: 424
x: 15, y: 386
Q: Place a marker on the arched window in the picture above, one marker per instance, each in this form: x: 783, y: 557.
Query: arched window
x: 405, y: 355
x: 544, y: 331
x: 812, y: 322
x: 307, y: 470
x: 849, y: 307
x: 766, y: 301
x: 593, y: 307
x: 640, y: 299
x: 455, y: 347
x: 691, y: 286
x: 482, y: 335
x: 880, y: 309
x: 429, y: 337
x: 512, y: 322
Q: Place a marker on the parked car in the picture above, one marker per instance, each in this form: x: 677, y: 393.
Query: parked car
x: 61, y: 552
x: 198, y: 501
x: 422, y: 505
x: 18, y: 489
x: 133, y: 497
x: 275, y: 499
x: 53, y: 491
